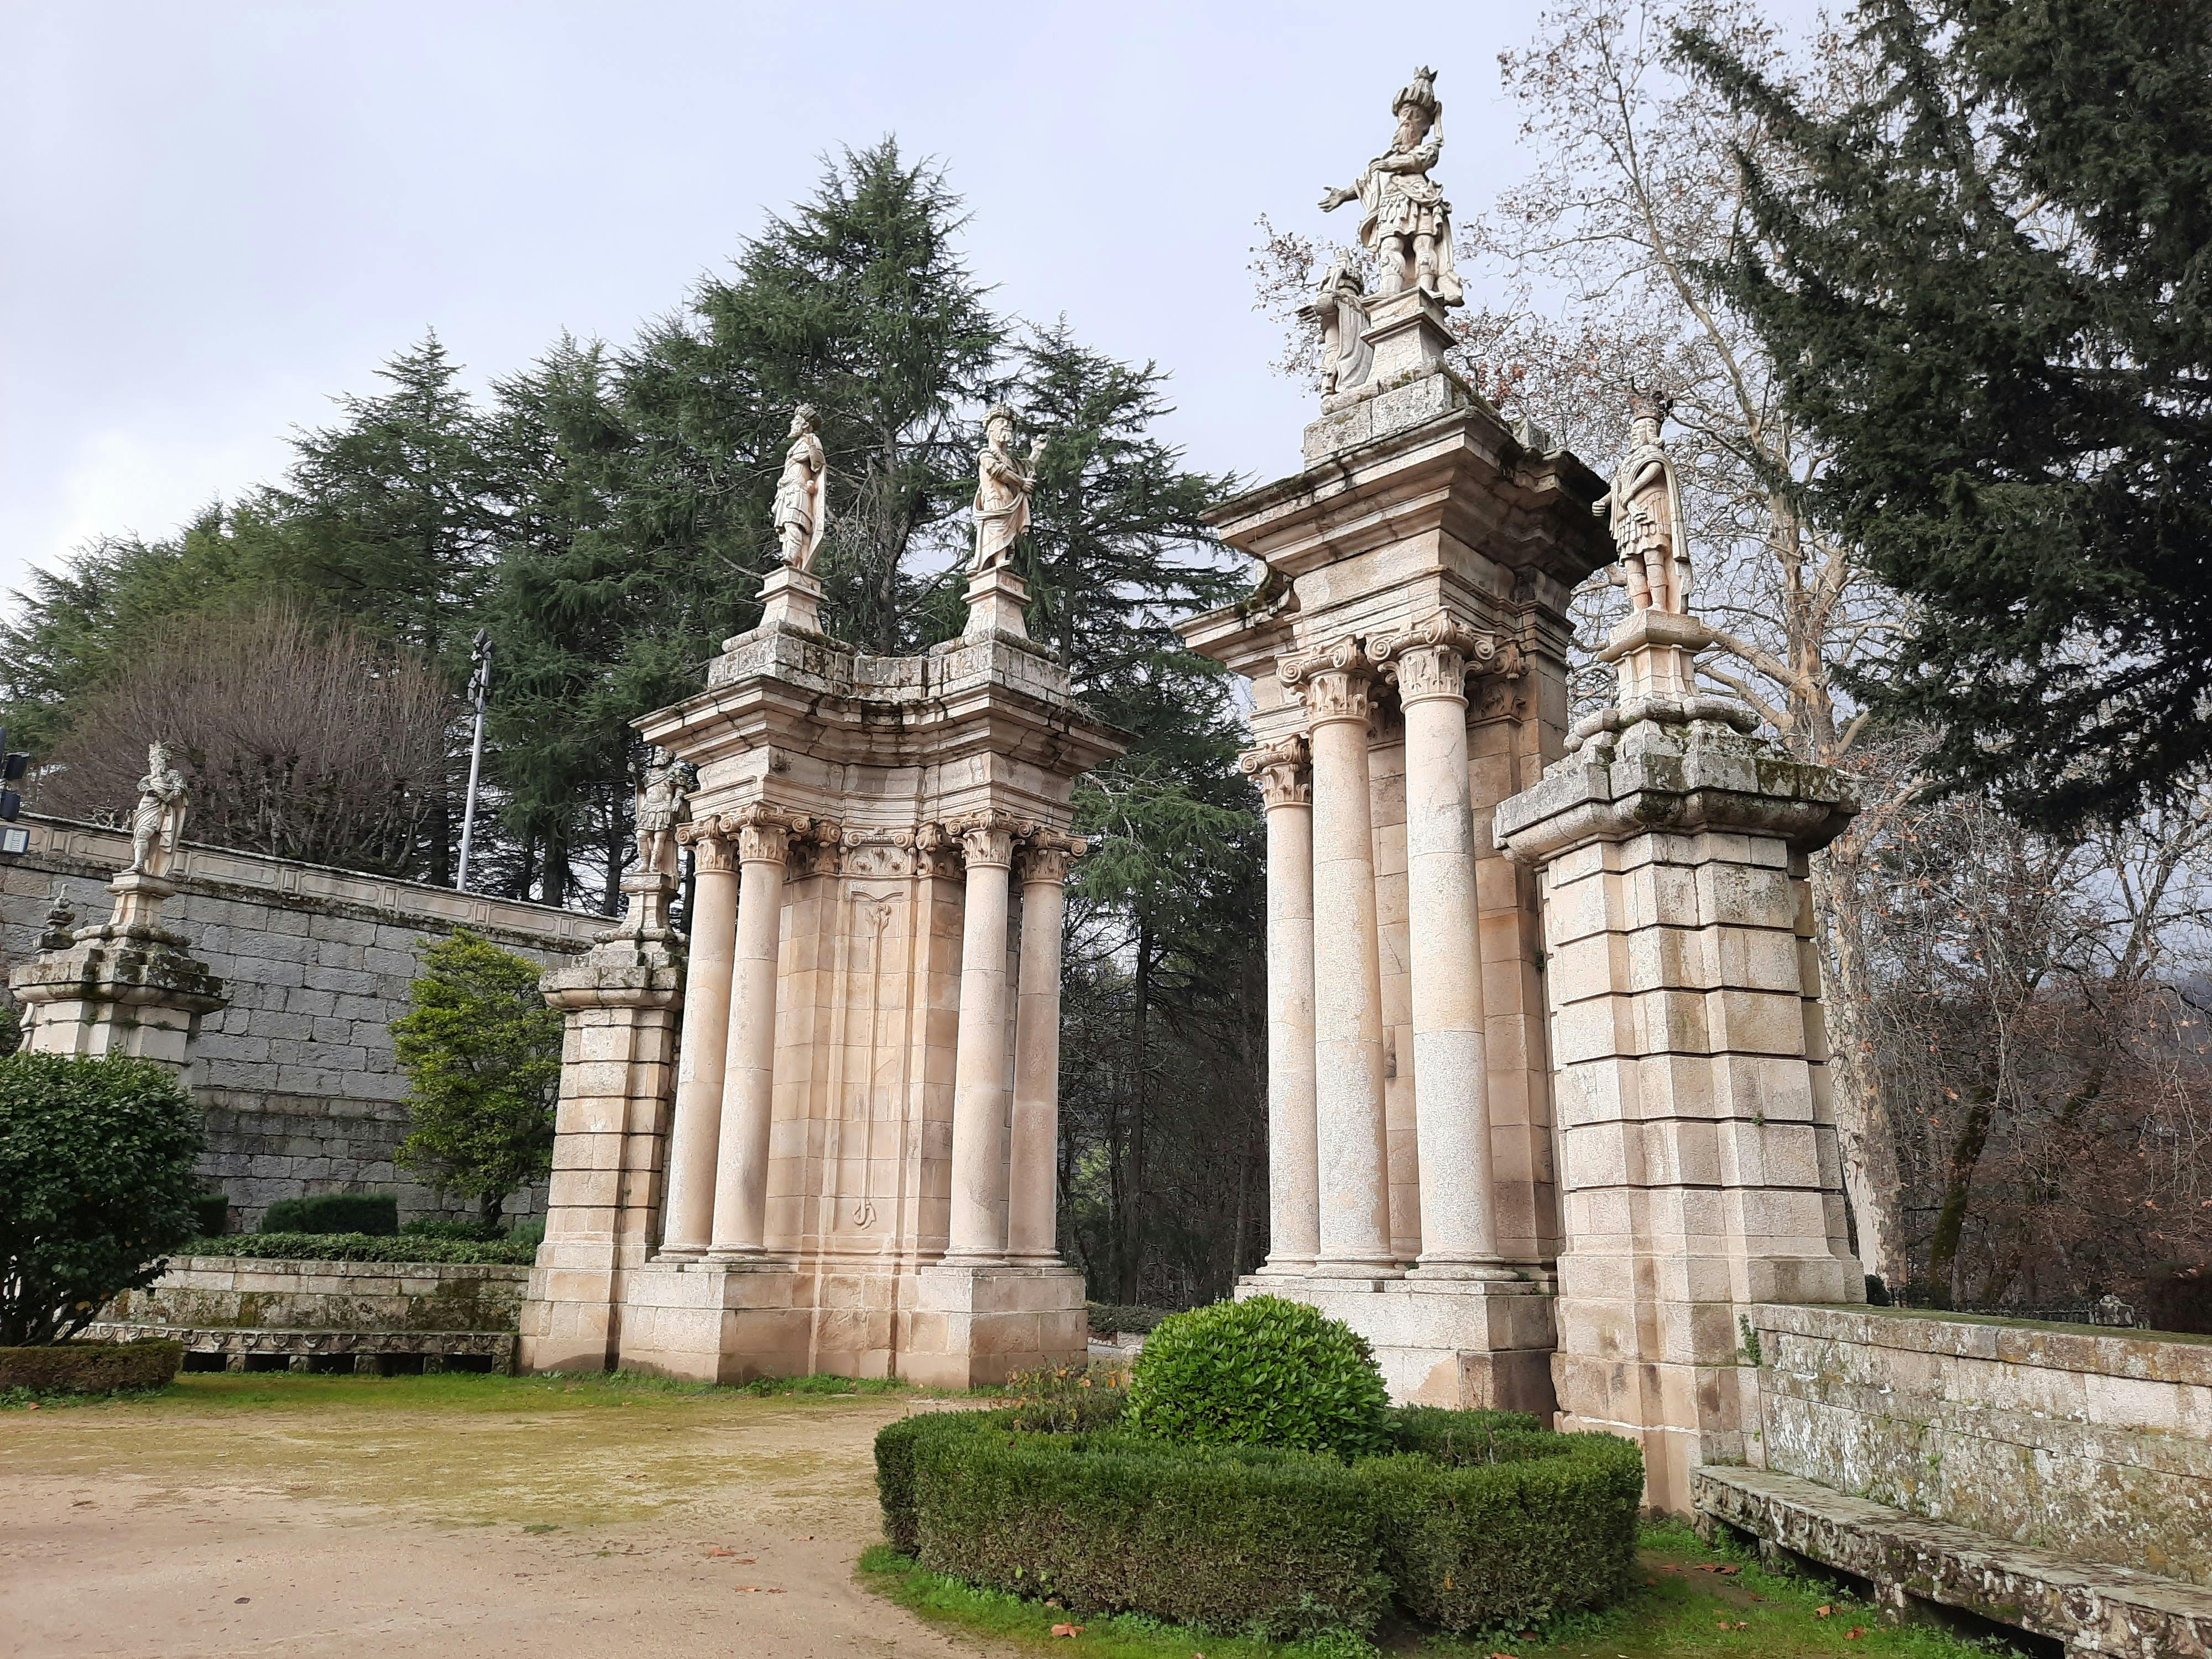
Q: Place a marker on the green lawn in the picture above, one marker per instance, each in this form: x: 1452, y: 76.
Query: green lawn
x: 461, y: 1390
x: 1692, y: 1600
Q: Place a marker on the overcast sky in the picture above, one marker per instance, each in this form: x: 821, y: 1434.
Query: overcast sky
x: 218, y: 215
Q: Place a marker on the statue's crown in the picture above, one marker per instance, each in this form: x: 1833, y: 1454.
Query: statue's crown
x: 1420, y: 92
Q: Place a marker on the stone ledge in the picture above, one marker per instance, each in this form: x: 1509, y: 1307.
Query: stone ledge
x: 2159, y: 1357
x: 2092, y: 1608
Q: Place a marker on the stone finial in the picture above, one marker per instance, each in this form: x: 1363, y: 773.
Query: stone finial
x: 1407, y: 223
x: 60, y: 920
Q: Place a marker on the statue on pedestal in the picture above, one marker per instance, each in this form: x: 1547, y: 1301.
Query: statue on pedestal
x: 1644, y: 510
x: 1003, y: 483
x: 802, y: 494
x: 1407, y: 224
x: 1339, y: 310
x: 663, y: 802
x: 157, y: 822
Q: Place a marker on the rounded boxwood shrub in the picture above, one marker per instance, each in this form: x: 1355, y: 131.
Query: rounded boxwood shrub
x: 96, y: 1182
x: 1263, y: 1372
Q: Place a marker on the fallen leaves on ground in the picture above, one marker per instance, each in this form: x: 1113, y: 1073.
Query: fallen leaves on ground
x: 1826, y: 1610
x: 1067, y: 1630
x: 1854, y: 1632
x: 1721, y: 1568
x: 1741, y: 1624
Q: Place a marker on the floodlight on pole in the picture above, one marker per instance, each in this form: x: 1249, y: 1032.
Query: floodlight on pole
x: 479, y: 691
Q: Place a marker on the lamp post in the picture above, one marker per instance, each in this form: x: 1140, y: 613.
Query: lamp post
x: 479, y: 690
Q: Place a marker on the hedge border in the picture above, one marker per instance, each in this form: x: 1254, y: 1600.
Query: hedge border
x: 91, y: 1367
x: 363, y: 1246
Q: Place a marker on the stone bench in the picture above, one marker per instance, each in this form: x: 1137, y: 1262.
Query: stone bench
x: 1918, y: 1565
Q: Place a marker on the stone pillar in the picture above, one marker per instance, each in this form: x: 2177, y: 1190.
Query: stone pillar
x: 1459, y: 1234
x: 1032, y: 1160
x: 620, y: 1003
x: 695, y: 1142
x: 1294, y: 1167
x: 1348, y: 1106
x: 741, y: 1166
x: 1698, y: 1167
x: 978, y: 1089
x: 125, y: 986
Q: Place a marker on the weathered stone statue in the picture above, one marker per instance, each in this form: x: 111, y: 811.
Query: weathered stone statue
x: 1407, y: 224
x: 1339, y: 310
x: 1003, y: 483
x: 1644, y: 511
x: 802, y: 494
x: 157, y: 822
x: 662, y: 803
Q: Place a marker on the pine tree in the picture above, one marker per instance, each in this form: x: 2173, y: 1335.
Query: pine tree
x: 1988, y: 299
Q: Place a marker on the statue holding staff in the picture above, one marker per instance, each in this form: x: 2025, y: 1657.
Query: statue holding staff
x: 1003, y: 483
x: 802, y: 494
x: 157, y: 822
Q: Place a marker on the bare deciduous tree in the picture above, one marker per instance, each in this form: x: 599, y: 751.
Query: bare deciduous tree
x: 306, y: 738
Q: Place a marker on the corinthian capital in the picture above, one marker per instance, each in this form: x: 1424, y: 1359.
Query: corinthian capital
x: 763, y: 834
x: 1433, y: 656
x: 1334, y: 681
x: 710, y: 848
x: 1282, y: 771
x: 1046, y: 854
x: 986, y: 837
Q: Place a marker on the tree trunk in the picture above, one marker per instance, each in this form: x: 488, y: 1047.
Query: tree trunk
x: 1133, y: 1195
x: 1866, y: 1137
x: 1957, y: 1191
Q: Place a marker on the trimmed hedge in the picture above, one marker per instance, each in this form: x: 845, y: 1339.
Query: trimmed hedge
x: 211, y: 1214
x: 91, y: 1367
x: 375, y: 1213
x: 1121, y: 1319
x: 1484, y: 1521
x: 1265, y: 1371
x: 363, y: 1246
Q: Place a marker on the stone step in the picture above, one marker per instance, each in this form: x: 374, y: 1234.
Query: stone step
x: 1915, y: 1563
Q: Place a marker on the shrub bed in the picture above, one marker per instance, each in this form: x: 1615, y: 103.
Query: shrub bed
x: 1479, y: 1521
x: 364, y: 1247
x: 91, y: 1367
x: 375, y: 1213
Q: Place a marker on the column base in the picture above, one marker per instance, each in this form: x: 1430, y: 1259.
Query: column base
x: 1463, y: 1343
x: 1285, y: 1266
x: 1427, y: 1271
x: 975, y: 1324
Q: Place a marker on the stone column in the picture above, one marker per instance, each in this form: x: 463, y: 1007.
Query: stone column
x: 1348, y: 1108
x: 619, y: 1002
x: 741, y: 1166
x: 1451, y: 1086
x: 121, y: 987
x: 1293, y: 1168
x: 979, y: 1089
x: 1032, y: 1185
x: 695, y: 1141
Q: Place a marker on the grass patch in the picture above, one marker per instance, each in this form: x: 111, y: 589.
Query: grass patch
x: 1680, y: 1607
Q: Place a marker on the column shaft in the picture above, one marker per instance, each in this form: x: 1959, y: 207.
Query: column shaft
x: 978, y: 1089
x: 749, y: 1077
x: 1293, y: 1165
x: 1348, y: 1106
x: 1451, y: 1086
x: 695, y: 1136
x: 1032, y: 1186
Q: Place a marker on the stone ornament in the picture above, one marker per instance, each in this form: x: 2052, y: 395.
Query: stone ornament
x: 986, y: 838
x: 1046, y: 854
x: 1338, y: 311
x: 763, y: 834
x: 802, y: 494
x: 1433, y: 658
x: 1407, y: 222
x: 1282, y: 770
x: 1644, y: 511
x: 1002, y: 484
x: 157, y: 822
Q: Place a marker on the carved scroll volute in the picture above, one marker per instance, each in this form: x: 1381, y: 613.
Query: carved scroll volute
x: 710, y: 848
x: 986, y: 838
x: 1335, y: 682
x: 1046, y: 854
x: 761, y: 832
x: 1283, y: 771
x: 1433, y: 658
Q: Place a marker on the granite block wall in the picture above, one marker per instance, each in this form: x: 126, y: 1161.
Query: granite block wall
x: 302, y: 1092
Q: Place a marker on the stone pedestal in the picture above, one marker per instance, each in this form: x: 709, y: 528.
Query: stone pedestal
x: 126, y: 986
x: 1407, y: 655
x: 865, y: 1141
x: 1700, y: 1172
x: 621, y: 1002
x: 792, y: 599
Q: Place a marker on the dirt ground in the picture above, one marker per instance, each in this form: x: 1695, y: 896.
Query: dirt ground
x: 447, y: 1515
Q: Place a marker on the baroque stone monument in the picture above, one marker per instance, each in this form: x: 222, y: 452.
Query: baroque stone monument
x: 1700, y: 1173
x: 1407, y: 654
x: 840, y: 1154
x: 126, y: 986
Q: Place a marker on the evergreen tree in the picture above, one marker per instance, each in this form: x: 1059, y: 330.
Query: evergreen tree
x: 1987, y: 296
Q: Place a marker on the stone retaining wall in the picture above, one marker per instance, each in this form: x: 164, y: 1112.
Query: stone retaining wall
x: 2094, y: 1444
x: 306, y: 1315
x: 302, y: 1092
